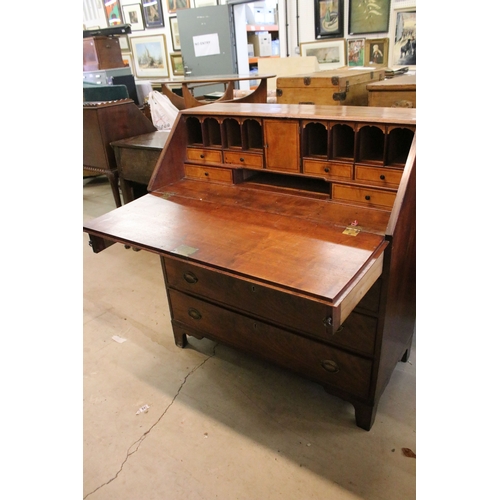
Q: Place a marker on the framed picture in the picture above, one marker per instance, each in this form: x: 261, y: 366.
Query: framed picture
x: 150, y: 56
x: 123, y: 41
x: 132, y: 14
x: 356, y: 52
x: 377, y: 52
x: 177, y: 64
x: 174, y: 32
x: 329, y: 18
x: 369, y: 16
x: 173, y: 5
x: 153, y: 13
x: 113, y: 12
x: 329, y: 53
x: 405, y: 38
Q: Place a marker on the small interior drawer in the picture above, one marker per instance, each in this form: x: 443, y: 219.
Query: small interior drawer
x: 377, y: 175
x: 243, y: 159
x: 328, y: 170
x: 203, y: 155
x: 365, y: 196
x: 209, y: 173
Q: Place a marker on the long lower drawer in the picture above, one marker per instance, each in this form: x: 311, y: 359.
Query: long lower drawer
x: 315, y: 360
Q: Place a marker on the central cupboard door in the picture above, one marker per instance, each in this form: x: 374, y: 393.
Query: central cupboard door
x: 282, y: 146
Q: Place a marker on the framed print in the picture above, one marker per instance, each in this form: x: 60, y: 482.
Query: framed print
x: 124, y: 45
x: 153, y: 13
x: 356, y: 52
x: 329, y: 53
x: 132, y: 14
x: 329, y: 18
x: 377, y: 52
x: 369, y: 16
x: 150, y: 56
x: 177, y: 64
x: 174, y: 32
x: 113, y: 12
x: 405, y: 38
x: 173, y: 5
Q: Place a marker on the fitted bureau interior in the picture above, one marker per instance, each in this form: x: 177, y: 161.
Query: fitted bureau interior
x: 331, y: 153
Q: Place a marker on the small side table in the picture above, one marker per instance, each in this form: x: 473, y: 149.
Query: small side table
x: 136, y: 159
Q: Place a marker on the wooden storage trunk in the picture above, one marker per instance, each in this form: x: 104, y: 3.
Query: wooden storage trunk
x: 398, y: 92
x: 339, y: 87
x: 101, y: 52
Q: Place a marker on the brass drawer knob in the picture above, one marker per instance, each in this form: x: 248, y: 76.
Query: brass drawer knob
x: 330, y: 366
x: 382, y: 177
x: 202, y: 156
x: 190, y: 278
x: 242, y: 159
x: 327, y: 169
x: 367, y: 197
x: 194, y: 313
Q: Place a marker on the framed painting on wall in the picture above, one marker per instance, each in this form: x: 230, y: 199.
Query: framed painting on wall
x: 329, y: 18
x: 113, y: 12
x: 369, y: 16
x: 153, y: 13
x: 377, y: 52
x: 177, y: 64
x: 173, y: 5
x: 405, y: 38
x: 330, y: 54
x: 150, y: 56
x: 132, y: 14
x: 356, y: 52
x: 174, y: 32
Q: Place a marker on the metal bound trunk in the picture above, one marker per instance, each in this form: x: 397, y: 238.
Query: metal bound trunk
x: 339, y: 87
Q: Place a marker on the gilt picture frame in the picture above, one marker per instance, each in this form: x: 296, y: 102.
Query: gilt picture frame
x: 177, y: 64
x: 329, y: 18
x: 150, y: 56
x: 376, y: 52
x: 174, y: 33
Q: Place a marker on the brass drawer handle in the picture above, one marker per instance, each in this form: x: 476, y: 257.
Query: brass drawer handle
x: 206, y: 174
x: 367, y: 197
x: 382, y: 177
x: 330, y: 366
x: 190, y: 278
x: 328, y: 321
x: 202, y: 156
x: 327, y: 169
x: 242, y: 159
x: 194, y: 313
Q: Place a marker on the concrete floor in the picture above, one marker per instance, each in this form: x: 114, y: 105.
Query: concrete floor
x: 220, y: 424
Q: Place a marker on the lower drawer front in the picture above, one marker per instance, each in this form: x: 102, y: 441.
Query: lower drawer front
x: 209, y: 173
x: 282, y: 308
x: 312, y: 359
x: 366, y: 196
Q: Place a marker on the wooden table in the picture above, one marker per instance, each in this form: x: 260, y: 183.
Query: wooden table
x: 136, y: 159
x: 397, y: 92
x: 189, y: 101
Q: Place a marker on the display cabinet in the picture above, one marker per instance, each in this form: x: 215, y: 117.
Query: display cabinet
x: 287, y: 231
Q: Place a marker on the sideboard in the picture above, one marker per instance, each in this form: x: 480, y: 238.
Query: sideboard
x: 287, y: 231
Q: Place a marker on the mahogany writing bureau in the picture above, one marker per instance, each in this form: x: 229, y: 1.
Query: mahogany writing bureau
x: 287, y: 231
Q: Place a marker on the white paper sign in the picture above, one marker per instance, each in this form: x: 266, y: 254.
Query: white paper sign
x: 206, y: 45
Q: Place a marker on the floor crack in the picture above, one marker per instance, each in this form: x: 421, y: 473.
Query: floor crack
x: 134, y: 447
